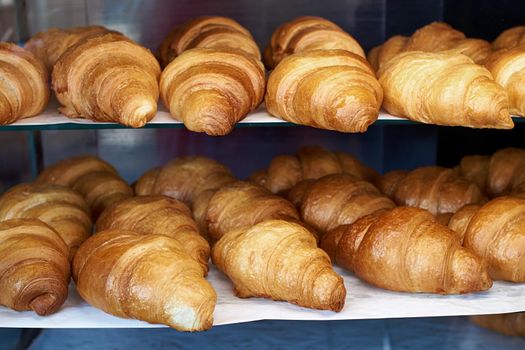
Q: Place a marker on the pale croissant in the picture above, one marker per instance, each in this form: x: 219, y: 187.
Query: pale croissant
x: 242, y: 204
x: 340, y: 199
x: 279, y: 260
x: 495, y: 232
x: 58, y: 206
x: 212, y: 32
x: 49, y: 45
x: 407, y: 250
x: 210, y: 90
x: 436, y: 189
x: 108, y: 78
x: 284, y: 172
x: 158, y: 215
x: 24, y: 88
x: 327, y: 89
x: 308, y: 33
x: 96, y: 180
x: 508, y: 69
x: 443, y: 89
x: 34, y: 267
x: 145, y: 277
x: 510, y: 38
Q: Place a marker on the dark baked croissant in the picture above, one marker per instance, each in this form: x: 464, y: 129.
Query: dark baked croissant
x: 158, y: 215
x: 327, y: 89
x: 60, y: 207
x: 96, y: 180
x: 340, y: 199
x: 407, y: 250
x: 510, y: 38
x: 509, y: 324
x: 279, y: 260
x: 212, y: 32
x: 23, y: 85
x: 436, y: 189
x: 284, y: 172
x: 308, y: 33
x: 34, y: 266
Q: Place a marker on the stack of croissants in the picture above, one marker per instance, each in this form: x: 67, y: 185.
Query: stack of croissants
x: 213, y: 75
x: 274, y: 235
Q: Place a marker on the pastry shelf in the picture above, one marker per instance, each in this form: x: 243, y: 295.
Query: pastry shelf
x: 51, y: 119
x: 362, y: 302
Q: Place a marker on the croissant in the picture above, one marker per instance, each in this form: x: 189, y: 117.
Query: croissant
x: 495, y: 233
x: 297, y: 193
x: 312, y: 162
x: 23, y: 86
x: 509, y: 324
x: 389, y: 182
x: 384, y: 53
x: 443, y: 89
x: 436, y: 189
x: 242, y: 204
x: 308, y: 33
x: 60, y: 207
x: 49, y: 45
x: 145, y: 277
x: 328, y: 89
x: 279, y: 260
x: 340, y: 199
x: 96, y: 180
x: 407, y: 250
x: 212, y: 32
x: 503, y: 173
x: 508, y: 69
x: 510, y: 38
x: 434, y: 37
x: 108, y: 78
x: 34, y: 268
x: 210, y: 90
x: 158, y: 215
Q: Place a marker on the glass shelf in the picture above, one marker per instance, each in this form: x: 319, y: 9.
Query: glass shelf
x: 52, y: 120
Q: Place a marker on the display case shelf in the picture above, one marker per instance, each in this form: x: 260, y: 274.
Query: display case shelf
x: 51, y: 119
x: 362, y: 302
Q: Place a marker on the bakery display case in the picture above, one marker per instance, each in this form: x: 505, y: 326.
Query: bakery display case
x: 306, y: 161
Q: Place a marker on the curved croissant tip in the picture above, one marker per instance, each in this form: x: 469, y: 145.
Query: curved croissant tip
x: 138, y: 112
x: 45, y: 304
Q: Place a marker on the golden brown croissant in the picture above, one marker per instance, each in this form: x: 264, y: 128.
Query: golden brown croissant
x: 108, y: 78
x: 509, y: 324
x: 508, y: 69
x: 145, y: 277
x: 407, y: 250
x: 58, y: 206
x: 443, y: 89
x: 503, y: 173
x: 210, y: 90
x: 297, y: 193
x: 96, y: 180
x: 436, y: 189
x: 340, y: 199
x: 384, y: 53
x: 279, y: 260
x: 34, y: 268
x: 510, y: 38
x: 23, y: 85
x: 242, y: 204
x: 308, y: 33
x: 434, y: 37
x: 328, y: 89
x: 158, y: 215
x: 495, y: 232
x: 184, y: 178
x: 212, y: 32
x: 313, y: 162
x: 49, y: 45
x: 389, y: 182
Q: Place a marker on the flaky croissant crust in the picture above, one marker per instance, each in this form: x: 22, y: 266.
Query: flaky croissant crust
x: 510, y: 38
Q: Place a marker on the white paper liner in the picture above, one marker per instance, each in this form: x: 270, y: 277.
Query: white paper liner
x: 362, y: 302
